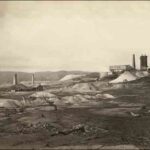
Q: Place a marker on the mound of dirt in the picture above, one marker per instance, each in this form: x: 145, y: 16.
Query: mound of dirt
x: 43, y: 94
x: 7, y: 103
x: 145, y: 73
x: 139, y: 74
x: 40, y: 98
x: 79, y: 99
x: 69, y: 77
x: 76, y: 99
x: 83, y: 87
x: 105, y: 96
x: 125, y: 77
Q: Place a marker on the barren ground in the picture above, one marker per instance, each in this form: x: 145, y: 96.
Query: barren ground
x: 108, y: 125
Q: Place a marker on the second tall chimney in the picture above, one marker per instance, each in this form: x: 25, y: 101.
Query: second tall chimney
x: 32, y: 79
x: 133, y: 62
x: 15, y: 80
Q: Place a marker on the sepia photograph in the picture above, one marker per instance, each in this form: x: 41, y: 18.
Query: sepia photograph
x: 74, y: 75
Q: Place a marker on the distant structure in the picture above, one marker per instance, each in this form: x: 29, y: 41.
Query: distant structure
x: 120, y: 68
x: 143, y: 63
x: 103, y: 74
x: 39, y: 88
x: 133, y: 62
x: 32, y: 79
x: 15, y: 80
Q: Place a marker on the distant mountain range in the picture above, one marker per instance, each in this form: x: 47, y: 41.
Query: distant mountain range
x: 7, y: 76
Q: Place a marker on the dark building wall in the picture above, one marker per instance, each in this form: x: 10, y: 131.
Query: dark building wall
x: 143, y: 62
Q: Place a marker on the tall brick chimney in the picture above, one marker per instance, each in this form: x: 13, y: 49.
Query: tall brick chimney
x: 15, y: 80
x: 133, y: 62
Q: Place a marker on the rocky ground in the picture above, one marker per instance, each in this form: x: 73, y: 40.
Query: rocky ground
x: 118, y: 119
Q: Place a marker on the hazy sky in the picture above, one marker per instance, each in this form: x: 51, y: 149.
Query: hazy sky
x: 72, y: 35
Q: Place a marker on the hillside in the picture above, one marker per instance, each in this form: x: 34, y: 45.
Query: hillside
x: 7, y: 76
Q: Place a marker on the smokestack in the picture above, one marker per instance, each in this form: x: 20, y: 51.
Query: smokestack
x: 133, y: 62
x: 15, y: 80
x: 32, y: 79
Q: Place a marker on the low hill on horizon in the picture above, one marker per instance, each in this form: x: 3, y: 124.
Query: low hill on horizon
x: 7, y: 76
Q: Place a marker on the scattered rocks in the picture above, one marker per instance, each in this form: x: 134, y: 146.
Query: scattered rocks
x: 76, y: 128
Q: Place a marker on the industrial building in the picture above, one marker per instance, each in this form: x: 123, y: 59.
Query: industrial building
x: 122, y: 68
x: 21, y: 87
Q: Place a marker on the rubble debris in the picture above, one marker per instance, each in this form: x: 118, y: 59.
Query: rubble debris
x: 85, y: 129
x: 134, y: 114
x: 142, y: 112
x: 43, y: 94
x: 69, y: 131
x: 50, y: 103
x: 94, y: 129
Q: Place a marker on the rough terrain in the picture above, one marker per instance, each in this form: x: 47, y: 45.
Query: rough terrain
x: 102, y: 117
